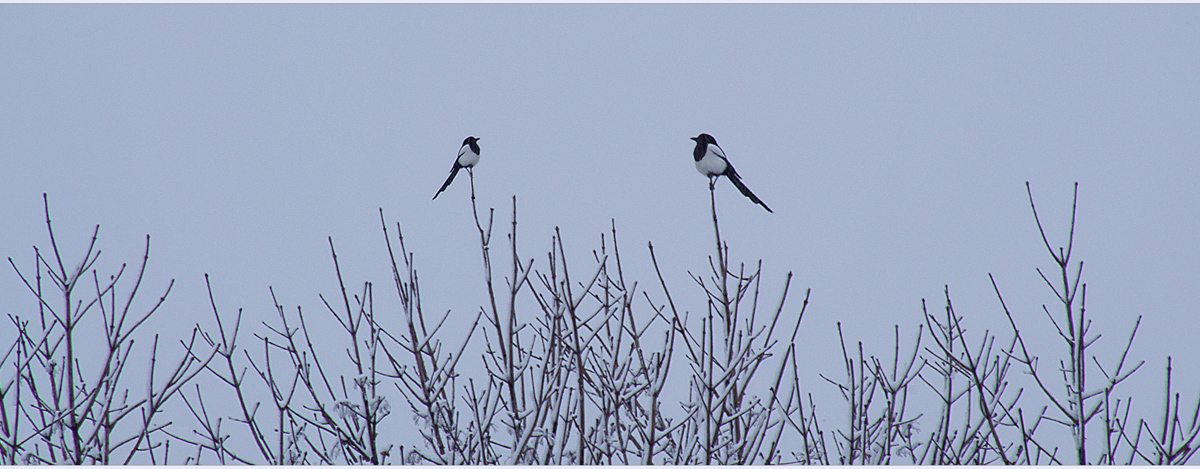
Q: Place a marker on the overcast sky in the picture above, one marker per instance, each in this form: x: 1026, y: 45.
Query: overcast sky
x: 892, y: 141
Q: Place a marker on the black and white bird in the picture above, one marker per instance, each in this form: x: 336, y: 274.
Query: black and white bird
x: 468, y: 157
x: 711, y: 162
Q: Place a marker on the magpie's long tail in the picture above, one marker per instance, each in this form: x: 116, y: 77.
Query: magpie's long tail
x: 453, y: 171
x: 737, y: 182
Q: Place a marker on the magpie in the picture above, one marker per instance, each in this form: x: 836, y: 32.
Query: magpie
x: 711, y: 162
x: 468, y: 157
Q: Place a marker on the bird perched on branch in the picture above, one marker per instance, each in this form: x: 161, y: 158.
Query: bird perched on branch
x: 711, y: 162
x: 468, y: 157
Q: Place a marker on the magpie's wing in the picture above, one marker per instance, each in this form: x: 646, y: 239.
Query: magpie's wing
x: 716, y: 149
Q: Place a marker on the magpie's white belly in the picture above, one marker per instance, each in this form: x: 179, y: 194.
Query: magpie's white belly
x: 468, y: 159
x: 711, y: 165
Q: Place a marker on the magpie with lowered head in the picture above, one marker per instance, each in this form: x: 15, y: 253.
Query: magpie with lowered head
x: 711, y: 162
x: 468, y: 157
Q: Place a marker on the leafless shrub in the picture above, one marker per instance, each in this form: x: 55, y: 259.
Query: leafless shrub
x: 574, y: 367
x: 1073, y: 328
x: 322, y: 414
x: 726, y: 422
x: 66, y: 400
x: 1173, y: 443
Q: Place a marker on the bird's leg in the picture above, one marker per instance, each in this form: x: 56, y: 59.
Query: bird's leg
x: 712, y: 183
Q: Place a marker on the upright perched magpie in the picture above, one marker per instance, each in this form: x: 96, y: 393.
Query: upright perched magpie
x: 468, y: 156
x: 711, y: 162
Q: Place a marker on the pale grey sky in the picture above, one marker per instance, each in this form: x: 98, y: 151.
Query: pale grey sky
x: 892, y: 141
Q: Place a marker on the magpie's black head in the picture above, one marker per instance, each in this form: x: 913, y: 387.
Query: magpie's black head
x: 702, y: 143
x: 473, y: 143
